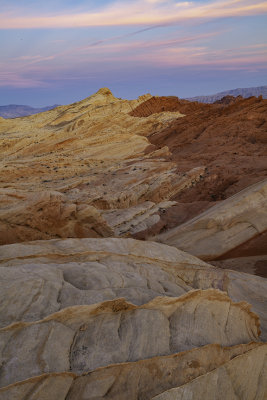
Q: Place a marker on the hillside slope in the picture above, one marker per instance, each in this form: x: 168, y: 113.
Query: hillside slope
x: 88, y: 311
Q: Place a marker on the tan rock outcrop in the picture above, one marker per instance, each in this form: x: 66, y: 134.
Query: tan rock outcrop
x: 135, y: 380
x: 239, y: 287
x: 43, y: 277
x: 244, y: 377
x: 87, y: 317
x: 82, y: 338
x: 90, y: 153
x: 224, y: 226
x: 137, y: 218
x: 46, y: 215
x: 44, y: 387
x: 115, y: 154
x: 61, y: 250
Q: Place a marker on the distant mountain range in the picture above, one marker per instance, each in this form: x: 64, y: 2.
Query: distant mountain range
x: 244, y: 92
x: 14, y: 110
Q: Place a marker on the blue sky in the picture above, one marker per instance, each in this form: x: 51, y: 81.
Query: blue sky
x: 60, y: 51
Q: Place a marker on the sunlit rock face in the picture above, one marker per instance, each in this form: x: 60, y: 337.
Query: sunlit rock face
x: 88, y: 311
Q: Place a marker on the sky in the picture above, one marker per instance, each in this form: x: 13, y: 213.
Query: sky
x: 61, y: 51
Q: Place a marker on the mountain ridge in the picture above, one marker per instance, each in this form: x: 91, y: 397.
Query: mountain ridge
x: 18, y: 110
x: 244, y: 92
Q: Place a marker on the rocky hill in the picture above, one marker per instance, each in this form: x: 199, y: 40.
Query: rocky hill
x: 15, y: 111
x: 244, y: 92
x: 90, y: 311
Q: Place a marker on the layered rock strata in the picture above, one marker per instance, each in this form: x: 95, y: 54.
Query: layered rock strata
x: 229, y: 139
x: 82, y: 316
x: 244, y: 377
x: 82, y: 160
x: 43, y: 277
x: 223, y: 227
x: 106, y: 166
x: 134, y: 380
x: 82, y: 338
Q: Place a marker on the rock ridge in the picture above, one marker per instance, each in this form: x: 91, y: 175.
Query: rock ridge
x: 90, y: 311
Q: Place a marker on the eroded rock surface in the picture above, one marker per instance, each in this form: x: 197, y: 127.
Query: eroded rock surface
x: 134, y: 380
x: 256, y: 265
x: 106, y: 166
x: 82, y: 338
x: 244, y: 377
x: 43, y: 277
x: 224, y: 226
x: 230, y: 140
x: 85, y: 313
x: 64, y: 164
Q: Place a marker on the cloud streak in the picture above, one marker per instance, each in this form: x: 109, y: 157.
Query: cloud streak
x: 149, y: 12
x: 17, y: 80
x: 106, y: 46
x: 187, y: 52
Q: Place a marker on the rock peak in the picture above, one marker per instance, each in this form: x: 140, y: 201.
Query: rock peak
x: 104, y: 92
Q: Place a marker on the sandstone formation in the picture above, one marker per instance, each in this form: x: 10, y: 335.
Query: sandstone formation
x: 223, y: 227
x: 89, y: 311
x: 229, y: 140
x: 43, y: 277
x: 256, y: 265
x: 83, y: 338
x: 106, y: 166
x: 147, y: 377
x: 244, y: 377
x: 89, y: 154
x: 48, y: 214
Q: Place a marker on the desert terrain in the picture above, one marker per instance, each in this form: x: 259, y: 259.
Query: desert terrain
x: 133, y: 250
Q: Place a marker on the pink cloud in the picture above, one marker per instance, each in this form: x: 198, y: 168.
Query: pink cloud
x: 186, y: 51
x: 16, y: 80
x: 146, y: 12
x: 106, y: 46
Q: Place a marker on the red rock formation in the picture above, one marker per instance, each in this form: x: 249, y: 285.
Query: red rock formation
x: 167, y: 103
x: 228, y: 138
